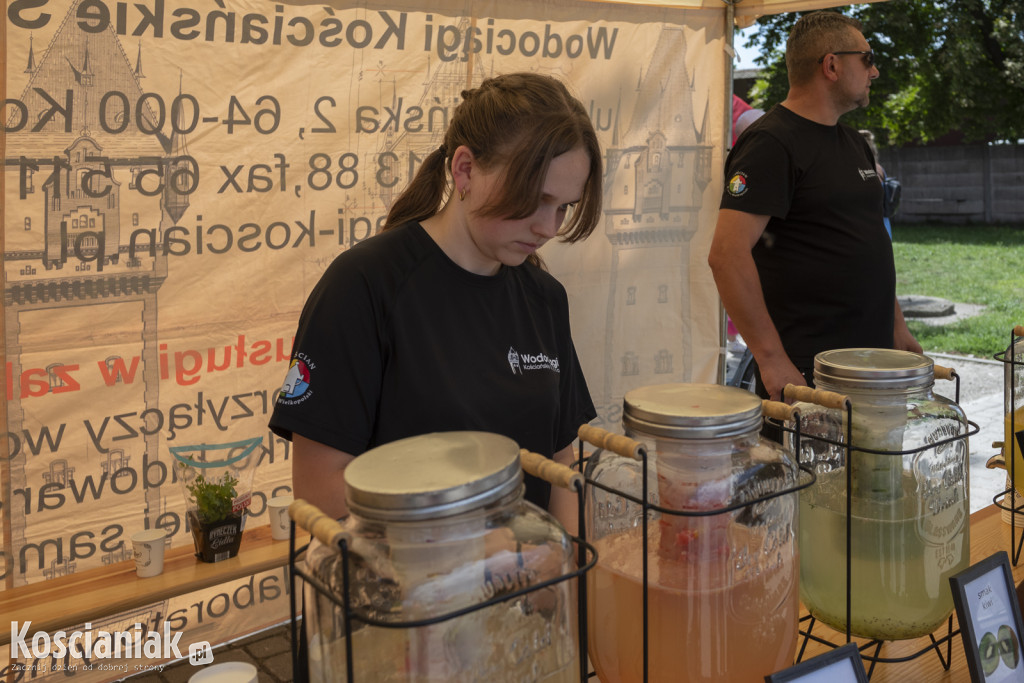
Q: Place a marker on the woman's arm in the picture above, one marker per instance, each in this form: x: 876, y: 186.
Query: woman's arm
x: 318, y: 475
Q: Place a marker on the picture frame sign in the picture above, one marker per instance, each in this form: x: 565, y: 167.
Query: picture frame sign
x: 841, y: 665
x: 990, y: 620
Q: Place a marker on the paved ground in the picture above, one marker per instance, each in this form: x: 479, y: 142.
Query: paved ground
x: 270, y: 651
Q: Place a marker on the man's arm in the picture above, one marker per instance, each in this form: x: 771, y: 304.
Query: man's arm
x: 739, y: 286
x: 318, y: 475
x: 903, y: 339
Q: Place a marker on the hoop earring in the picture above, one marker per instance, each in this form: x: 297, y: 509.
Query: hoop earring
x: 462, y: 194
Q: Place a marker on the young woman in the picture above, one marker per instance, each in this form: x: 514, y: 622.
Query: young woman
x: 446, y: 320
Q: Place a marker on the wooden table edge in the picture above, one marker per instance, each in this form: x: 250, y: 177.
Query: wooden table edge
x: 113, y: 589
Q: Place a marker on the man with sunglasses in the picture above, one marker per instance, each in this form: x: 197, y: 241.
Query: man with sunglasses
x: 800, y: 254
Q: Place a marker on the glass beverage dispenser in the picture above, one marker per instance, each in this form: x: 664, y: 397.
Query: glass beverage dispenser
x: 721, y: 577
x: 438, y: 524
x: 908, y: 500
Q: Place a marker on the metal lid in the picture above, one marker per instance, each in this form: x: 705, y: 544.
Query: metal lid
x: 691, y: 411
x: 873, y: 369
x: 432, y: 475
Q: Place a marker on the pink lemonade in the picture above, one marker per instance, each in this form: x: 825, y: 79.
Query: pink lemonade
x: 701, y: 627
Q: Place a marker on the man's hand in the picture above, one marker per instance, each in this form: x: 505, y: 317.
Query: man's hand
x: 775, y: 376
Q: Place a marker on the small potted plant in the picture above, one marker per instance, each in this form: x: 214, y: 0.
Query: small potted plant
x: 216, y: 525
x: 217, y: 493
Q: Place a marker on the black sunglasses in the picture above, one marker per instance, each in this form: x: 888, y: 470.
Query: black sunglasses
x: 869, y: 56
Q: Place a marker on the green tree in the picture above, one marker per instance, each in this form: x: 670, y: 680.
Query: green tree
x: 945, y: 66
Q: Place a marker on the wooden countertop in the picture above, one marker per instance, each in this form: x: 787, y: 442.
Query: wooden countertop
x: 104, y: 591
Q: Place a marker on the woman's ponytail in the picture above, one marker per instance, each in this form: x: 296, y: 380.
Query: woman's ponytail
x: 424, y: 194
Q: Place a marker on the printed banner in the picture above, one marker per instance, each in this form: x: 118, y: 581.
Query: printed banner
x: 177, y: 176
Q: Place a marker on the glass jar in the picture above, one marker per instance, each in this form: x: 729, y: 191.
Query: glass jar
x: 438, y: 523
x: 909, y: 508
x: 721, y: 586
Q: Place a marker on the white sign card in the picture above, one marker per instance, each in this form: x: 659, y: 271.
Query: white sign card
x: 990, y: 620
x: 841, y: 665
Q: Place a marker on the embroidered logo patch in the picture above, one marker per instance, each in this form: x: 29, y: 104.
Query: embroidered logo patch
x: 521, y: 362
x: 737, y: 184
x: 296, y: 382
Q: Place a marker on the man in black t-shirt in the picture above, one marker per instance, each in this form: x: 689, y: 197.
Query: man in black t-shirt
x: 800, y: 253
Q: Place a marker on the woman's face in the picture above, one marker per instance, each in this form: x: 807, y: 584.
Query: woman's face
x: 504, y: 241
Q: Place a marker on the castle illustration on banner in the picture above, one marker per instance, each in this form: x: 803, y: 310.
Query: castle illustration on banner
x: 83, y: 185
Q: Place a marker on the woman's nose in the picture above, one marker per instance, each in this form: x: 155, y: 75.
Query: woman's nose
x: 547, y: 223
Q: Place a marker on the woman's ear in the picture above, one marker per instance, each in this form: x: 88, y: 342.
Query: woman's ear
x: 463, y: 162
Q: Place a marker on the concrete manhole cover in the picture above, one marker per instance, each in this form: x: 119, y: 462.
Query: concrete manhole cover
x: 917, y: 306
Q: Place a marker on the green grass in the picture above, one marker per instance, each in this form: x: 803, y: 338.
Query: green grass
x: 975, y: 264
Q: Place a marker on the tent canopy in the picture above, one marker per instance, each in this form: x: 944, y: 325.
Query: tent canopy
x: 747, y: 11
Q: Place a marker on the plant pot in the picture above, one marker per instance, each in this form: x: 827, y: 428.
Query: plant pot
x: 219, y: 540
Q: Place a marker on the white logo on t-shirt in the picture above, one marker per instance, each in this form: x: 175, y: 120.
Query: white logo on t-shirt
x: 513, y: 360
x: 519, y: 362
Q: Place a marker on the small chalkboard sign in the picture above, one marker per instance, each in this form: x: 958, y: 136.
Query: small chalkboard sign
x: 841, y: 665
x: 990, y: 621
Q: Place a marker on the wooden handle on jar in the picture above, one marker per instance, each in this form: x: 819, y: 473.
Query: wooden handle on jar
x: 825, y: 399
x: 778, y: 410
x: 324, y: 528
x: 942, y: 372
x: 616, y: 443
x: 1018, y: 331
x: 550, y: 471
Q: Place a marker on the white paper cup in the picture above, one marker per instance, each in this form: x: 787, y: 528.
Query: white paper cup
x: 228, y: 672
x: 280, y: 523
x: 148, y: 547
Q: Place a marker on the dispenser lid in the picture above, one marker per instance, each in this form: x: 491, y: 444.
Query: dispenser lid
x: 874, y: 369
x: 432, y: 475
x: 691, y: 411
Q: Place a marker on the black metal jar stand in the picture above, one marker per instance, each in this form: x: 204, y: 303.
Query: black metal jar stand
x: 1009, y: 357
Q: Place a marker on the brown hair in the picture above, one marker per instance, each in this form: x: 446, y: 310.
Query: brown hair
x: 519, y: 121
x: 813, y: 36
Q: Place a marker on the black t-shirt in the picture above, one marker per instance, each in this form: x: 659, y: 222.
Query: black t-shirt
x: 396, y: 340
x: 825, y: 260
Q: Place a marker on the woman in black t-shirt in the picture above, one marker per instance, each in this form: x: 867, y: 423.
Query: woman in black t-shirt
x: 447, y: 320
